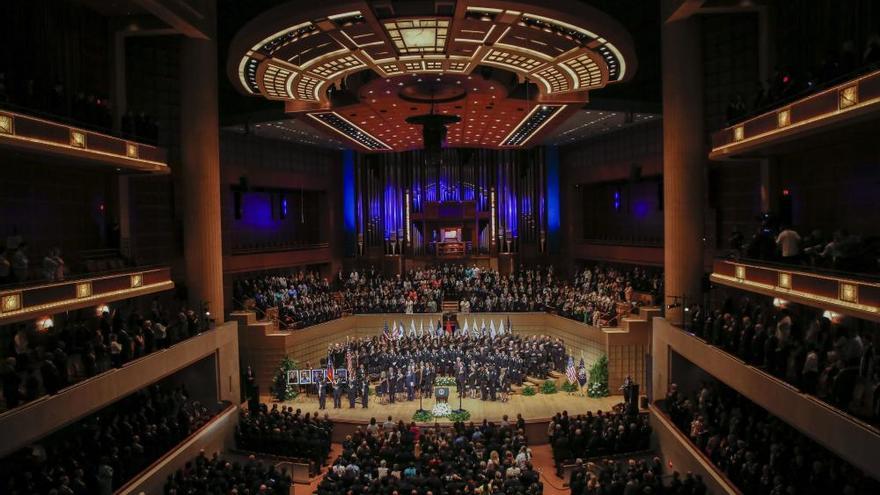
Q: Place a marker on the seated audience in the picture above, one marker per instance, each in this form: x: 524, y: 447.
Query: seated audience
x: 601, y: 434
x: 400, y: 458
x: 599, y: 295
x: 632, y: 476
x: 835, y: 362
x: 285, y: 433
x: 217, y: 476
x: 759, y: 453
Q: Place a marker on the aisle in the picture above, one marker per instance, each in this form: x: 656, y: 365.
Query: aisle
x: 542, y: 460
x: 335, y: 451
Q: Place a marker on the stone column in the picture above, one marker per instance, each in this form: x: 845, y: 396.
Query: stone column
x: 200, y: 157
x: 684, y: 159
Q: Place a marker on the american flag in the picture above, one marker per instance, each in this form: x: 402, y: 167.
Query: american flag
x: 330, y: 373
x: 571, y: 371
x: 349, y: 363
x: 385, y: 332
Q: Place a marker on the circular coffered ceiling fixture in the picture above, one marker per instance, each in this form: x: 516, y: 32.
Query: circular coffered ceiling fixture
x: 564, y: 49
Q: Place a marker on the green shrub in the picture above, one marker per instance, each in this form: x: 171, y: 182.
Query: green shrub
x: 422, y: 416
x: 529, y: 391
x: 281, y: 390
x: 548, y: 387
x: 570, y: 387
x: 462, y: 416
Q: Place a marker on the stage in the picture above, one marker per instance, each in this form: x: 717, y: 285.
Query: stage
x: 537, y: 410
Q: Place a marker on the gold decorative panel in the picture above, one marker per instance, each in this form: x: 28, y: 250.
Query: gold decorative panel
x: 849, y: 292
x: 848, y: 96
x: 77, y: 139
x: 740, y: 272
x: 10, y: 302
x: 739, y: 133
x: 131, y: 150
x: 137, y: 280
x: 83, y: 289
x: 783, y: 117
x: 784, y: 280
x: 6, y: 124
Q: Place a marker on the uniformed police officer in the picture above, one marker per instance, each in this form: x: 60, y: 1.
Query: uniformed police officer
x: 365, y: 392
x: 352, y: 393
x: 337, y: 393
x: 322, y: 394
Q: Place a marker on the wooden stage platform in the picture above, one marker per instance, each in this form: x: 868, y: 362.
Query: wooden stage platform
x: 537, y: 410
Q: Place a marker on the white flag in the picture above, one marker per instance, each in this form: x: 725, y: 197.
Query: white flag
x: 501, y: 328
x: 492, y: 328
x: 465, y: 329
x: 421, y: 328
x: 412, y: 328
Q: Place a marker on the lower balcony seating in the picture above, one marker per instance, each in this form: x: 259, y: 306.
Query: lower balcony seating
x: 101, y: 452
x: 836, y: 362
x: 45, y: 360
x: 757, y: 452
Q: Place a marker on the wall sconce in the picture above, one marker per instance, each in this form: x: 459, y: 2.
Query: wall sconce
x: 740, y: 272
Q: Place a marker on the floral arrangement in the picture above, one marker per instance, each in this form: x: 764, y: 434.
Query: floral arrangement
x: 441, y: 410
x: 422, y: 416
x: 281, y: 390
x: 529, y: 391
x: 569, y: 387
x: 548, y: 387
x: 598, y: 385
x: 444, y: 381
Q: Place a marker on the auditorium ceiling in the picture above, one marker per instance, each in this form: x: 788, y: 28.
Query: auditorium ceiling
x: 354, y: 71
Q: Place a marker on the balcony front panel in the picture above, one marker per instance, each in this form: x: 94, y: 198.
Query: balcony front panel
x: 843, y: 294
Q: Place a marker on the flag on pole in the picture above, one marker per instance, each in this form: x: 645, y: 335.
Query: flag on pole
x: 330, y: 372
x: 483, y: 328
x: 509, y: 326
x: 492, y: 328
x: 401, y: 330
x: 421, y: 327
x: 501, y: 327
x: 439, y: 331
x: 412, y: 328
x: 393, y: 329
x: 385, y: 332
x: 349, y: 363
x: 570, y: 371
x: 465, y: 330
x: 582, y: 373
x: 475, y: 331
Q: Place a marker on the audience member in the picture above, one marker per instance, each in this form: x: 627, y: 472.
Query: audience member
x: 286, y: 433
x: 759, y: 453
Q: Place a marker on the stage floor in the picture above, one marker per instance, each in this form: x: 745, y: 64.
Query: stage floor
x: 538, y: 407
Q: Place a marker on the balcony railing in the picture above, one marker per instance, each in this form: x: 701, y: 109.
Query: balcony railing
x: 28, y: 133
x: 848, y: 101
x: 857, y: 297
x: 32, y: 301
